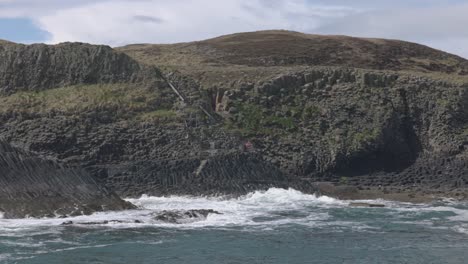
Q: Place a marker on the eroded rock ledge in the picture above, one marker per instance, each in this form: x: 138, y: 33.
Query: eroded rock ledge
x: 34, y: 187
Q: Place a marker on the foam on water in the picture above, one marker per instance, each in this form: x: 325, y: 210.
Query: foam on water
x: 261, y: 209
x: 242, y: 210
x: 4, y: 256
x: 273, y: 211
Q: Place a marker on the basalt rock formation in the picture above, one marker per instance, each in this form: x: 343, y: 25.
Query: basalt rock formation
x: 374, y: 113
x: 34, y: 187
x: 39, y: 67
x: 359, y: 127
x: 243, y: 112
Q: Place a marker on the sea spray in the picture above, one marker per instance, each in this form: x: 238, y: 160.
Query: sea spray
x: 285, y: 225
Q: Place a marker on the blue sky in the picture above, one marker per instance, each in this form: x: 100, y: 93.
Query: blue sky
x: 437, y: 23
x: 21, y: 30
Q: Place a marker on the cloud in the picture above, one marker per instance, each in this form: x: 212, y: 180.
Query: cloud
x: 122, y: 22
x: 36, y: 8
x: 437, y: 23
x: 440, y: 27
x: 148, y: 19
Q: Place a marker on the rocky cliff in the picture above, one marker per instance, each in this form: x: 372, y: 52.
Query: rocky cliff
x: 185, y: 124
x: 38, y: 67
x: 34, y: 187
x: 350, y: 125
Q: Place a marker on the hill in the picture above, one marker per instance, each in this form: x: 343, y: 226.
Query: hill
x: 248, y: 54
x: 243, y: 112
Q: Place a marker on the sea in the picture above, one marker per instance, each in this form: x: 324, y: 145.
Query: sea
x: 274, y: 226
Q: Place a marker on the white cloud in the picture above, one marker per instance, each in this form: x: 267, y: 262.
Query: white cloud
x: 441, y: 24
x: 440, y: 27
x: 37, y: 8
x: 117, y: 23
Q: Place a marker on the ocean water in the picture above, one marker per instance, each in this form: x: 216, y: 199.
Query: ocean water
x: 274, y: 226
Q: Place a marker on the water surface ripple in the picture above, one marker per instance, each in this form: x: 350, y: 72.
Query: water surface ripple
x: 274, y: 226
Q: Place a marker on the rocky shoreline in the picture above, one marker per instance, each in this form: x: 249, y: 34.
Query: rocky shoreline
x: 390, y: 193
x: 125, y: 126
x: 34, y: 187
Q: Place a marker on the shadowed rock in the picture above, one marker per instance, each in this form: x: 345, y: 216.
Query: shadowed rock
x: 35, y: 187
x: 366, y: 205
x: 105, y: 222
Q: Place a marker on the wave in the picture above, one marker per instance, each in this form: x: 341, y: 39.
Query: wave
x: 271, y: 198
x: 274, y: 210
x: 244, y: 210
x: 261, y: 209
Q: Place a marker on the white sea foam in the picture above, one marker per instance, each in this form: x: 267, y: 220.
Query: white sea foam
x: 4, y: 257
x: 272, y: 204
x: 462, y: 228
x: 262, y: 209
x: 243, y: 210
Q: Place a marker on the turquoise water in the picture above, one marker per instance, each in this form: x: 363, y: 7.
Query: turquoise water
x: 277, y: 226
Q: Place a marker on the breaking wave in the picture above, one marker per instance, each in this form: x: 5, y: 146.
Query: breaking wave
x: 261, y: 209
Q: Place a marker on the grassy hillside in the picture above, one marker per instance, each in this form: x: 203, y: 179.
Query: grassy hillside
x: 254, y: 55
x: 119, y: 101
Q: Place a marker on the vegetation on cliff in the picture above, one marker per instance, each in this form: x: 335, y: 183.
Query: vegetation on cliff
x: 155, y: 118
x: 253, y: 56
x: 115, y: 102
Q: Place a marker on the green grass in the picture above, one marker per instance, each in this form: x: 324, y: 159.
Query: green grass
x: 464, y: 132
x: 253, y: 119
x: 365, y: 136
x: 162, y: 114
x: 310, y: 112
x: 344, y: 180
x: 443, y: 102
x: 120, y: 100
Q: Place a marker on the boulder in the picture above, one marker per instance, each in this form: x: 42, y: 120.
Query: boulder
x: 366, y: 205
x: 183, y: 217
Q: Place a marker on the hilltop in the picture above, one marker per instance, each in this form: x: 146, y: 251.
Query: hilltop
x: 243, y: 112
x: 255, y: 54
x: 2, y: 41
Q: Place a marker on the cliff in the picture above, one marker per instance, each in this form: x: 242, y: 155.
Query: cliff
x: 34, y: 187
x: 38, y: 67
x: 361, y: 112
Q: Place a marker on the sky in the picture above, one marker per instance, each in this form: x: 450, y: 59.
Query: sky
x: 442, y: 24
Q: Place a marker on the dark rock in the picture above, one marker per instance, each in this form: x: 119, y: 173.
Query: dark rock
x: 105, y: 222
x: 351, y: 127
x: 182, y: 217
x: 34, y: 187
x: 38, y: 67
x: 366, y: 205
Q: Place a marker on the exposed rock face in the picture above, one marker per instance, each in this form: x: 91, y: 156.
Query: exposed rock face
x: 304, y: 125
x: 183, y: 217
x: 364, y: 128
x: 349, y: 123
x: 152, y: 159
x: 34, y: 187
x: 235, y: 173
x: 37, y: 67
